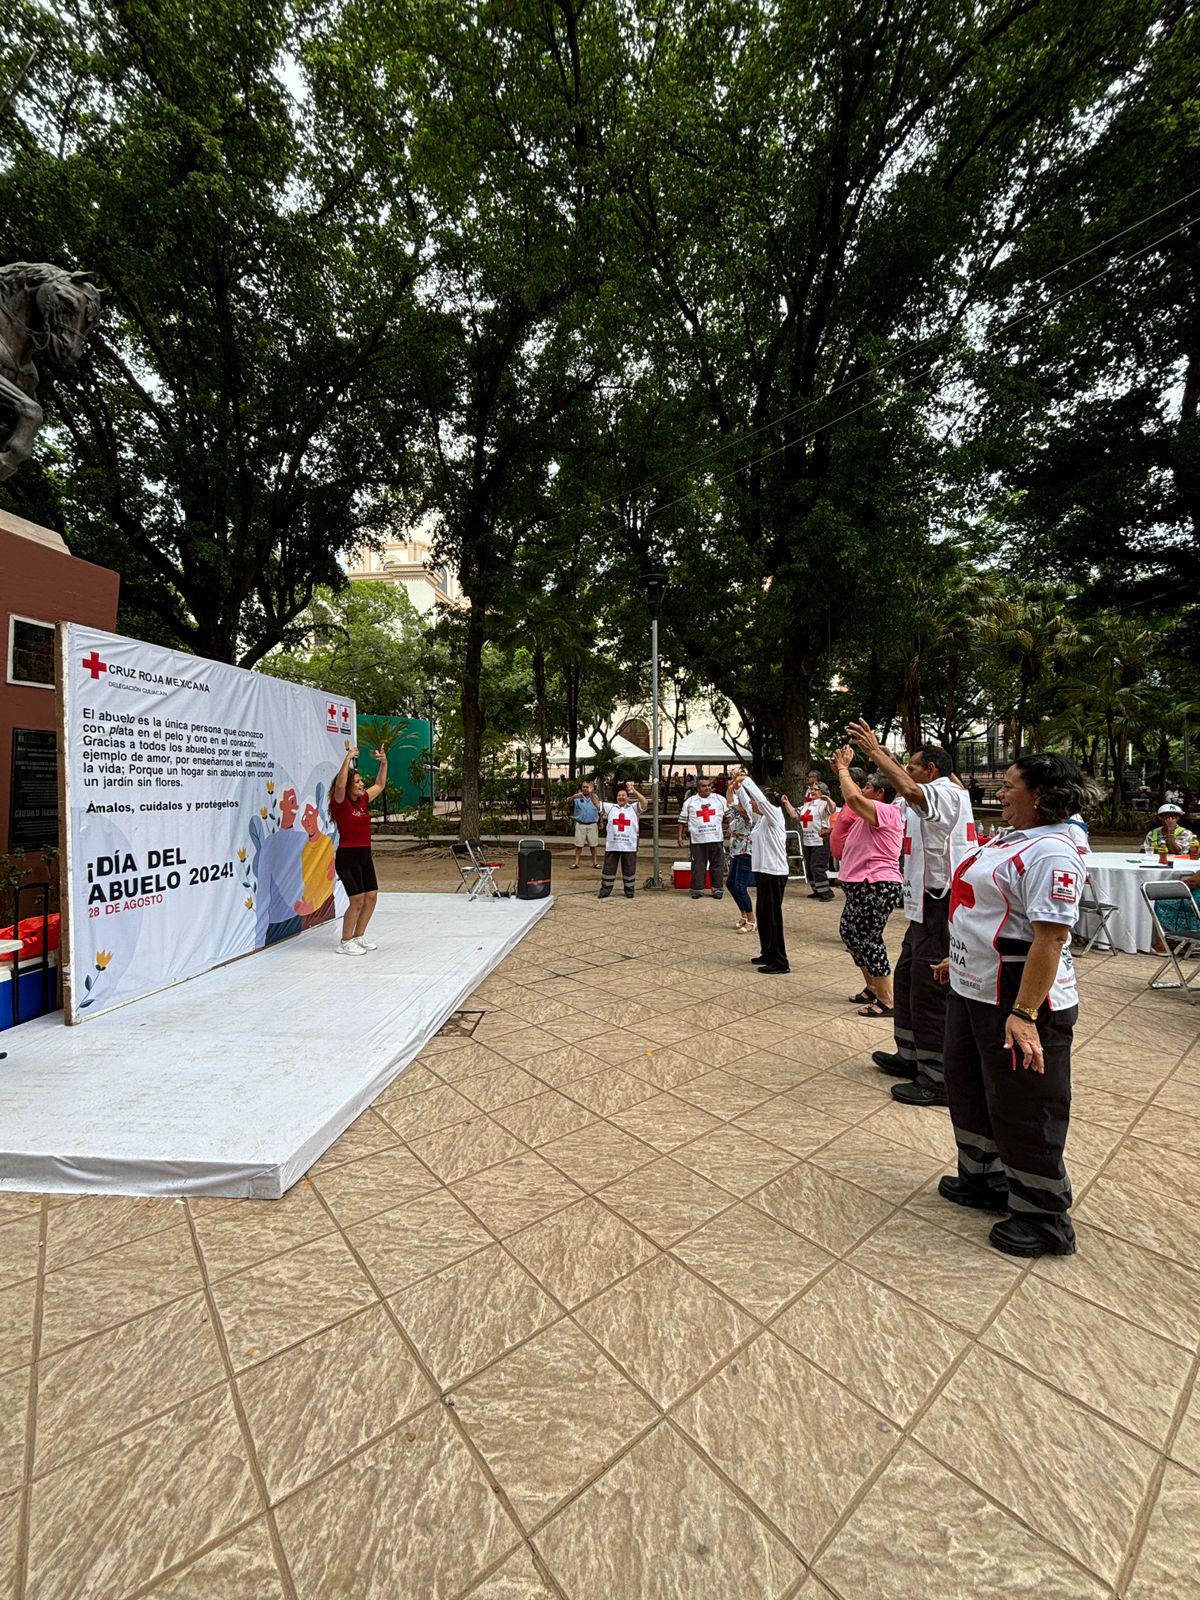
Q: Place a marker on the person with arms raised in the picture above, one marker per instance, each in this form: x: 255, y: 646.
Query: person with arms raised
x: 621, y: 828
x: 866, y: 839
x: 768, y: 862
x: 350, y: 807
x: 939, y: 830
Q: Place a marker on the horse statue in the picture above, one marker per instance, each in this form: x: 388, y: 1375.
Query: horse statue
x: 42, y: 308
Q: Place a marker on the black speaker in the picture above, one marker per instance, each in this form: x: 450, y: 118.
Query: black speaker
x: 533, y: 874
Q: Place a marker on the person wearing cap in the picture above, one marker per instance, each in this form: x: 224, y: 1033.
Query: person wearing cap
x: 1012, y: 1008
x: 939, y: 830
x: 1169, y: 835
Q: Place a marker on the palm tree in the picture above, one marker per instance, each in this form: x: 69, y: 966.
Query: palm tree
x: 1029, y: 638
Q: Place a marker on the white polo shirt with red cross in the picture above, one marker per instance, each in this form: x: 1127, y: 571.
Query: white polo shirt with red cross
x: 935, y: 841
x: 705, y: 818
x: 815, y: 814
x: 621, y: 826
x: 997, y: 893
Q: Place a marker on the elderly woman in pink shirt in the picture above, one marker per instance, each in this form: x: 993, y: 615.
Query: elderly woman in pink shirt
x: 866, y: 840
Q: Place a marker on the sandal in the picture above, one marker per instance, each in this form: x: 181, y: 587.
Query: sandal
x: 864, y: 997
x: 574, y: 867
x: 877, y: 1009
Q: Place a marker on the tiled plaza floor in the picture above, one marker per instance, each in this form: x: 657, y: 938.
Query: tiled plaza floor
x: 640, y: 1292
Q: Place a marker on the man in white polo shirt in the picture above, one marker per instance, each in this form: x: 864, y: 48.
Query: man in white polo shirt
x: 621, y: 840
x: 703, y: 815
x: 939, y: 831
x: 768, y: 861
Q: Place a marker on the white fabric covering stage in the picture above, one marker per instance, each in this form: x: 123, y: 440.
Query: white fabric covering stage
x: 233, y: 1083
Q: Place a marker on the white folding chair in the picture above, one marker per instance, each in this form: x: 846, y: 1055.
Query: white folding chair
x: 1090, y: 905
x: 793, y: 845
x: 475, y: 874
x: 1181, y: 947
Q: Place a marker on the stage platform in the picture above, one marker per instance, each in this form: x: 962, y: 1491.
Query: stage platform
x: 233, y: 1083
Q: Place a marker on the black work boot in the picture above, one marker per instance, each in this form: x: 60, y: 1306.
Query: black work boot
x: 894, y: 1065
x: 919, y: 1094
x: 1017, y: 1238
x: 961, y: 1193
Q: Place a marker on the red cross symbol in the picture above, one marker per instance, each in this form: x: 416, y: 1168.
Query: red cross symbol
x: 94, y: 665
x: 345, y: 715
x: 621, y: 822
x: 705, y: 812
x: 806, y: 818
x: 1063, y: 885
x: 333, y: 711
x: 961, y: 892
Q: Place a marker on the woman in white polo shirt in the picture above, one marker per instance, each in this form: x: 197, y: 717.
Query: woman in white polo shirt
x: 1012, y: 1010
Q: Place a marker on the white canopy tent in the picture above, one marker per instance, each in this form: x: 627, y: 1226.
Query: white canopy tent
x: 625, y: 748
x: 703, y: 747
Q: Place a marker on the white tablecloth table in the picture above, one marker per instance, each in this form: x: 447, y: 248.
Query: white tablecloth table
x: 1117, y: 878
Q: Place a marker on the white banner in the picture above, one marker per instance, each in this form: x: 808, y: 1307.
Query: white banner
x: 197, y: 814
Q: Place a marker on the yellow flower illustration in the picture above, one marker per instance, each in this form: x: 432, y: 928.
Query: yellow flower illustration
x: 103, y: 957
x: 242, y: 855
x: 270, y: 788
x: 262, y: 811
x: 249, y: 904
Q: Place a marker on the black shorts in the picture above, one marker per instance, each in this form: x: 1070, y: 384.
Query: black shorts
x: 356, y: 869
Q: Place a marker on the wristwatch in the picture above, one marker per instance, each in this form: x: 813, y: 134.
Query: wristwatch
x: 1024, y: 1011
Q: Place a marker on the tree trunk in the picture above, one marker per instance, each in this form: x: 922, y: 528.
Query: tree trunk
x: 471, y: 706
x: 1164, y: 761
x: 910, y: 703
x: 795, y: 735
x: 539, y: 689
x: 571, y: 676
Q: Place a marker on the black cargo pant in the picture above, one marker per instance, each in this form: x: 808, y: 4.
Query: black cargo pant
x: 768, y: 914
x: 708, y: 860
x: 816, y: 865
x: 608, y: 874
x: 1010, y: 1124
x: 920, y: 1001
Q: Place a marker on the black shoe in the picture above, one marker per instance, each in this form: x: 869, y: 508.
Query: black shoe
x: 814, y: 895
x: 695, y: 894
x: 718, y: 894
x: 758, y: 960
x: 918, y: 1094
x: 771, y: 968
x: 961, y: 1193
x: 1017, y: 1238
x: 894, y: 1065
x: 823, y: 898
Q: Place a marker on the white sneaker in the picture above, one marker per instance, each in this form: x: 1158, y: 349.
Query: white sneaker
x: 365, y: 944
x: 348, y: 947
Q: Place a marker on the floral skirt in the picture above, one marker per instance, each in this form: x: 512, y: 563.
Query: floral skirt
x: 864, y: 917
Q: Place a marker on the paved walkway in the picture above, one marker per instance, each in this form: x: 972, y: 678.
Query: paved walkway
x: 634, y: 1287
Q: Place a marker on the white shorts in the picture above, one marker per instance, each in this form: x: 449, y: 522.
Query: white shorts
x: 587, y: 833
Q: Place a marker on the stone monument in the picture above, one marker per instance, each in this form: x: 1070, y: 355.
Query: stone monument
x: 42, y: 309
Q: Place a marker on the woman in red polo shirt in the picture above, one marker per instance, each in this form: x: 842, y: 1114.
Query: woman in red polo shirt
x: 350, y: 808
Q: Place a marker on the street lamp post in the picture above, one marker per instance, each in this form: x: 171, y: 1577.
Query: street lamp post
x: 529, y: 753
x: 430, y: 705
x: 655, y: 583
